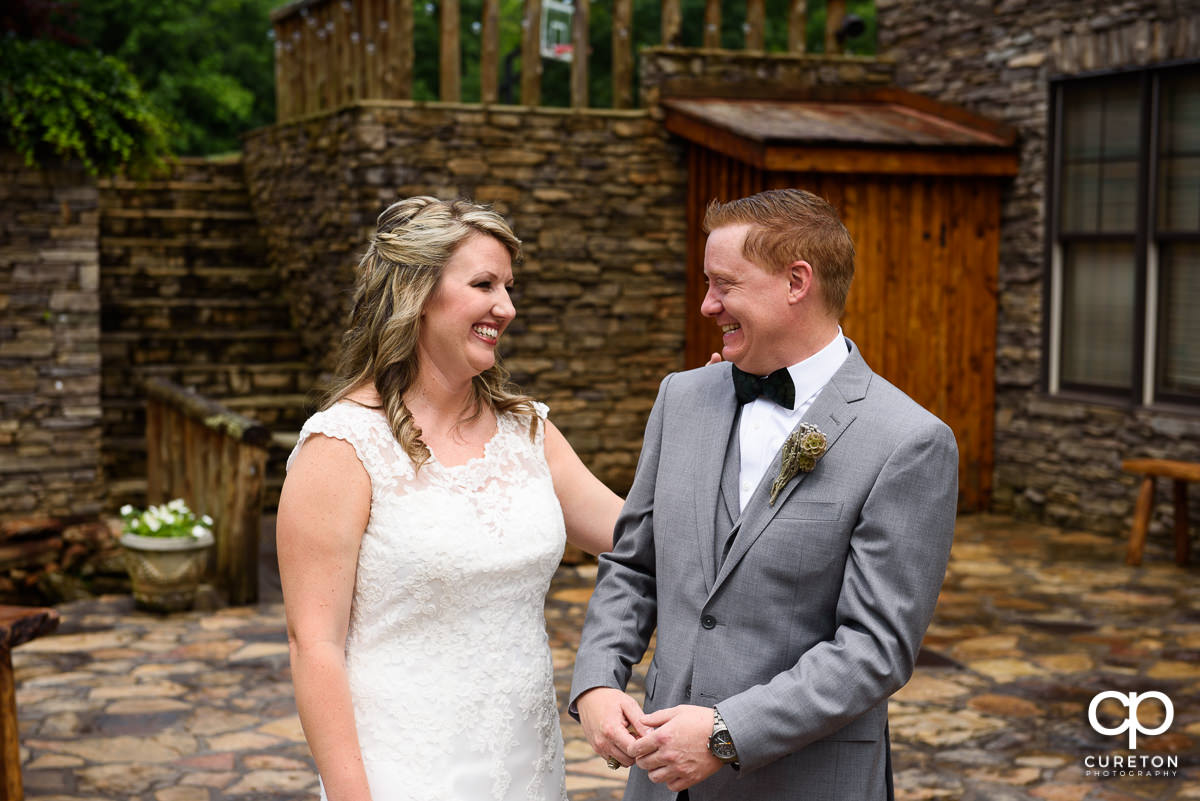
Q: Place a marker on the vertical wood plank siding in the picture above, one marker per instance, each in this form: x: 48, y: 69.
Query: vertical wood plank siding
x: 216, y: 461
x: 923, y: 303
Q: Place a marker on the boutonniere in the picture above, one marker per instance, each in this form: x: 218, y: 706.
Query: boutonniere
x: 801, y: 450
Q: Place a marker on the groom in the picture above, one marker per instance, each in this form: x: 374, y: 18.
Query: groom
x: 786, y: 535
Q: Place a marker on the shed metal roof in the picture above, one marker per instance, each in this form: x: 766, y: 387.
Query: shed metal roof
x: 878, y: 131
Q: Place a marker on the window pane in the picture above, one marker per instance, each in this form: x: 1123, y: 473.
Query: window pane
x: 1101, y: 133
x: 1179, y: 181
x: 1179, y: 196
x: 1080, y: 196
x: 1179, y: 321
x: 1098, y: 318
x: 1118, y: 191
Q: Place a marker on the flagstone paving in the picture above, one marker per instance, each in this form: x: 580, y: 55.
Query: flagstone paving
x: 1033, y: 622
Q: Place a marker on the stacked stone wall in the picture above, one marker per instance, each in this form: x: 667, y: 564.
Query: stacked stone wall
x: 1057, y: 459
x: 597, y: 197
x: 188, y: 295
x: 49, y: 344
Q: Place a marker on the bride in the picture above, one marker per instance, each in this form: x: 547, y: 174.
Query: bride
x: 423, y: 515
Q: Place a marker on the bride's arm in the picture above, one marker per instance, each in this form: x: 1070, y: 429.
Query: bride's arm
x: 589, y: 508
x: 323, y: 512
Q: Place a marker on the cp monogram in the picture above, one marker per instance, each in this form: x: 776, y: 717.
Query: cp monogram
x: 1132, y: 723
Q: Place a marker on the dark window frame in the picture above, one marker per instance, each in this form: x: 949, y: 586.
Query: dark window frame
x: 1146, y: 233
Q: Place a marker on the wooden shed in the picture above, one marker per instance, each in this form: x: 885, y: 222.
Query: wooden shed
x: 919, y: 186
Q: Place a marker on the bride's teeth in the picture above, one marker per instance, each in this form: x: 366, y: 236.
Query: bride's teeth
x: 490, y: 333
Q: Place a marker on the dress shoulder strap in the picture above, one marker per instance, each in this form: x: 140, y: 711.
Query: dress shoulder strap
x: 367, y: 432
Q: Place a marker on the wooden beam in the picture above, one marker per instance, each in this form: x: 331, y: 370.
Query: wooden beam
x: 797, y: 26
x: 531, y: 58
x: 756, y: 16
x: 450, y: 53
x: 580, y: 46
x: 712, y: 24
x: 835, y: 13
x: 672, y: 23
x: 622, y: 50
x: 489, y: 57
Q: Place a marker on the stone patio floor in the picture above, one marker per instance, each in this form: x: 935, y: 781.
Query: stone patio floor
x: 1033, y: 622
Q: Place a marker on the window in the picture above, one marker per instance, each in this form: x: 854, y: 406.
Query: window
x: 1124, y: 236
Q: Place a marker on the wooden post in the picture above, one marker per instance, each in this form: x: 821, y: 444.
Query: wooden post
x: 797, y: 26
x: 672, y: 23
x: 756, y: 15
x: 10, y: 780
x: 281, y: 112
x: 450, y: 53
x: 18, y: 624
x: 531, y: 57
x: 1141, y: 522
x: 580, y: 45
x: 622, y: 50
x: 489, y: 54
x: 712, y: 24
x: 1182, y: 536
x: 401, y: 11
x: 835, y: 13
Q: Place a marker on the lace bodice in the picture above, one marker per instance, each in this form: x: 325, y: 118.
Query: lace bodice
x: 449, y: 667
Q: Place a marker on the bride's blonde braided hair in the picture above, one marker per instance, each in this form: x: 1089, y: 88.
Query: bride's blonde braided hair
x: 394, y: 280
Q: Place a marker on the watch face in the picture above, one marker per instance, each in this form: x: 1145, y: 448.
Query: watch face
x: 721, y: 746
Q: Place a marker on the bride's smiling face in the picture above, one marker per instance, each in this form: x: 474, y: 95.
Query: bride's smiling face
x: 468, y: 311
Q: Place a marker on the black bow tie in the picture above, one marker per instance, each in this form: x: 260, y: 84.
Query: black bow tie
x: 777, y: 386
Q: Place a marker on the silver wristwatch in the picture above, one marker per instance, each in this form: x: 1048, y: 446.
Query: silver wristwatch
x: 720, y: 742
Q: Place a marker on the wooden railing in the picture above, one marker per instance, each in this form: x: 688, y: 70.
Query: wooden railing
x: 330, y: 53
x: 214, y: 459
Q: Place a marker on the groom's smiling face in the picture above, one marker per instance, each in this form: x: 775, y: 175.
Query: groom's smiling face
x: 747, y: 302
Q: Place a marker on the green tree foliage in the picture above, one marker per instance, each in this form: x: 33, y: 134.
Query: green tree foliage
x: 208, y: 64
x: 57, y: 101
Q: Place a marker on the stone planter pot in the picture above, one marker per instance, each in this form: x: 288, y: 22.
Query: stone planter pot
x: 165, y: 571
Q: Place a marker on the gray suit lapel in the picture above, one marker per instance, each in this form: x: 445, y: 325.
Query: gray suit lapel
x: 832, y: 413
x: 712, y: 437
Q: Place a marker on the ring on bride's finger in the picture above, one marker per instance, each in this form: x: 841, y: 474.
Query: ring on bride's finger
x: 613, y: 763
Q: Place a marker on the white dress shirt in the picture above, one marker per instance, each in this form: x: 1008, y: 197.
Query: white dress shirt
x: 765, y: 424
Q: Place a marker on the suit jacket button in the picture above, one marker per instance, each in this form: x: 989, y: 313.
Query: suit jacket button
x: 688, y: 691
x: 708, y: 622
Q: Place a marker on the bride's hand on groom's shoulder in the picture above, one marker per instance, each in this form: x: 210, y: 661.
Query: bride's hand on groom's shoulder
x: 608, y: 717
x: 714, y: 359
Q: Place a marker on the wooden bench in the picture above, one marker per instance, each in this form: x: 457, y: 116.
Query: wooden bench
x: 1181, y: 473
x: 18, y: 624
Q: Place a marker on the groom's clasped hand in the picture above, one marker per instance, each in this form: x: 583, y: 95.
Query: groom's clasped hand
x: 671, y: 745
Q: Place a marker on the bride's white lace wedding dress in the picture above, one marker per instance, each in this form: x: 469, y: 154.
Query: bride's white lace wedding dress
x: 449, y: 666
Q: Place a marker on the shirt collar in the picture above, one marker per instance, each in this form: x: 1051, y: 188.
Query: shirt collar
x: 812, y: 374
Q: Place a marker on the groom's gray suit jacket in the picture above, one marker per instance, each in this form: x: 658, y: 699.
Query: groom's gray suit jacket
x: 813, y: 618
